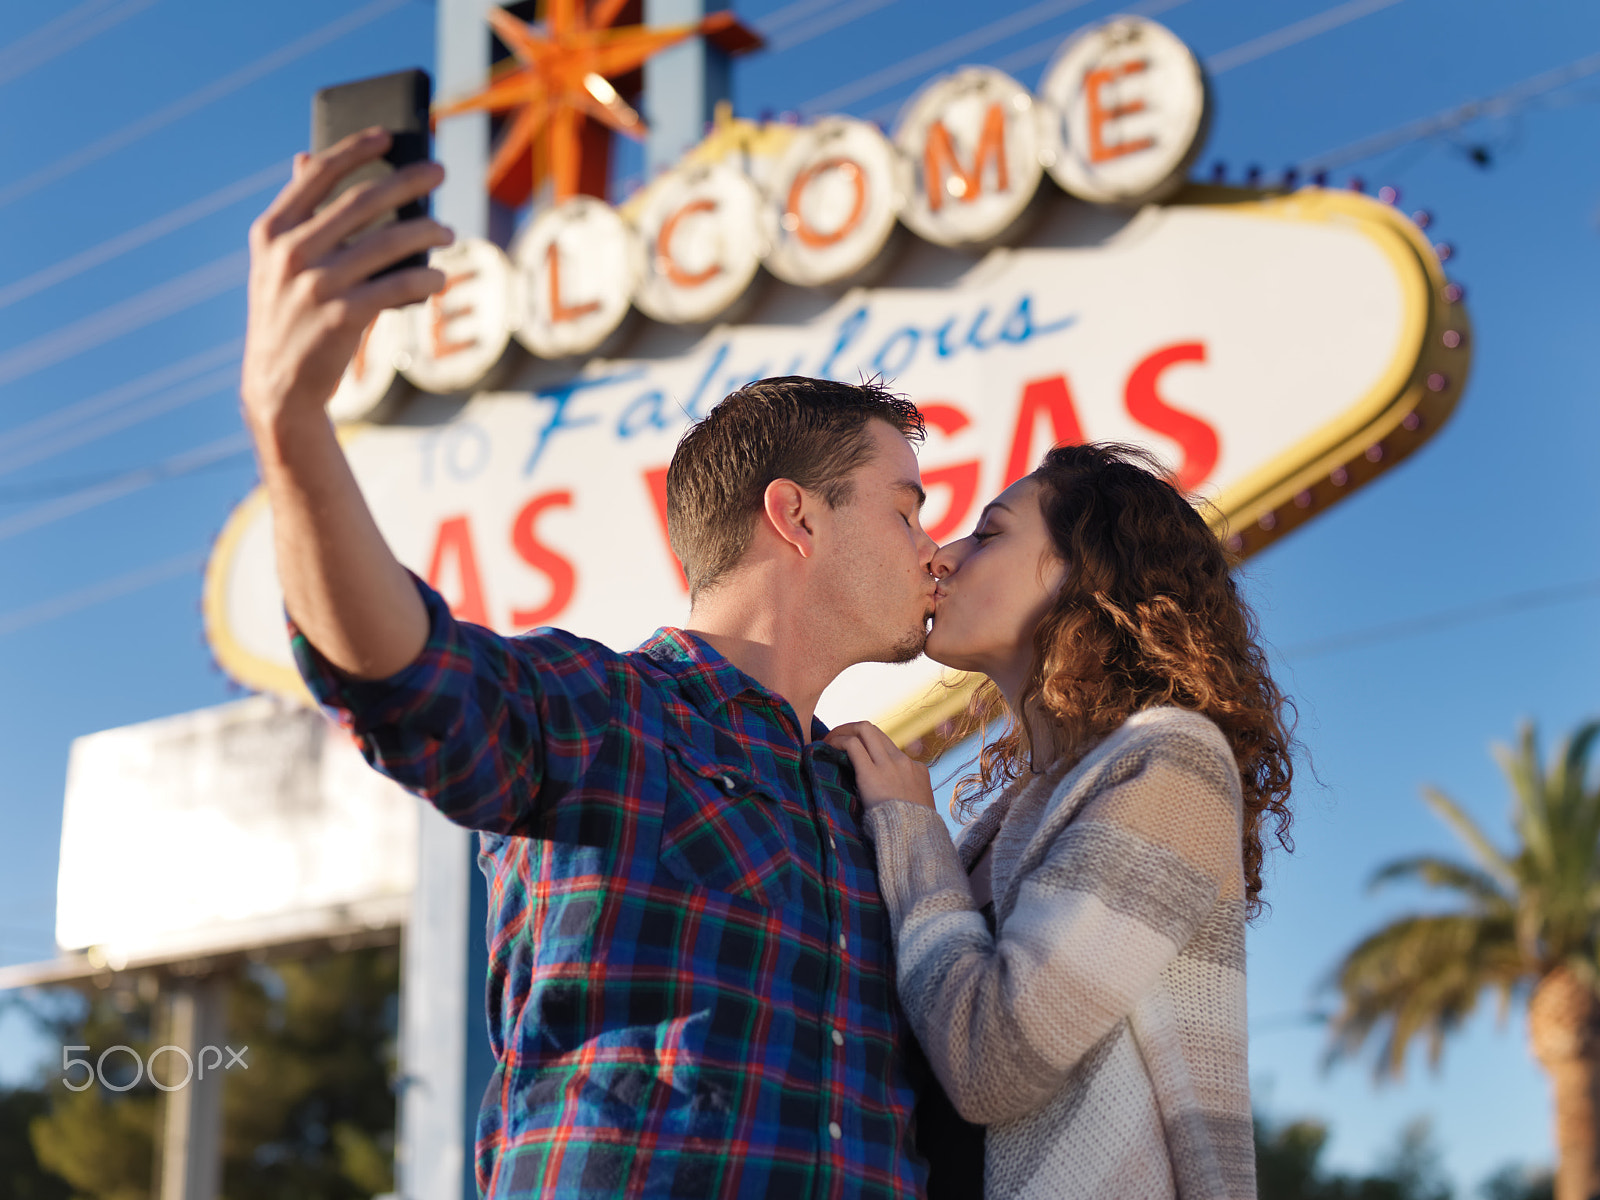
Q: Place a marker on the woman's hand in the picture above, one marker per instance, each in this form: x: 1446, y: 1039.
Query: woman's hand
x: 884, y: 772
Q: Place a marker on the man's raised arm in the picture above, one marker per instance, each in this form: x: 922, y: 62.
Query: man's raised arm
x: 310, y: 299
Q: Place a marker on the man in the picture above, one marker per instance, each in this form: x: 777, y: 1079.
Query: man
x: 691, y: 988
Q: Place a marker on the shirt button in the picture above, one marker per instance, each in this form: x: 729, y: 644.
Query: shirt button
x: 726, y: 781
x: 834, y: 1131
x: 838, y: 1038
x: 842, y: 942
x: 832, y: 843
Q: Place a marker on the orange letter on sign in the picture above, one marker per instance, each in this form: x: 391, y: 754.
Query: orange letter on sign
x: 1099, y: 115
x: 1197, y: 439
x: 525, y: 541
x: 358, y: 364
x: 455, y: 540
x: 438, y: 327
x: 939, y: 152
x: 808, y: 236
x: 960, y: 478
x: 668, y: 265
x: 560, y: 310
x: 656, y: 481
x: 1054, y: 397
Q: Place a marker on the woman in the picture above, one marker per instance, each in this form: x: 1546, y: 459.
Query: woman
x: 1075, y: 969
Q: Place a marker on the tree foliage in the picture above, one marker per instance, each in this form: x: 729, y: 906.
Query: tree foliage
x: 311, y: 1116
x: 1519, y: 915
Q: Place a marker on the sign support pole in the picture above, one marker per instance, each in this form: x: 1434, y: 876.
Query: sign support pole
x: 442, y: 969
x: 682, y: 85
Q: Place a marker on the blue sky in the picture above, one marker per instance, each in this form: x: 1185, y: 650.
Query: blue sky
x: 112, y: 135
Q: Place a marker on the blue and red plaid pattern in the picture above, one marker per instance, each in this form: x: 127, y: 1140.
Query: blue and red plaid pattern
x: 691, y: 988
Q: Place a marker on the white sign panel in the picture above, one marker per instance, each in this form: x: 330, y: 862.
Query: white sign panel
x: 1243, y: 343
x: 236, y: 826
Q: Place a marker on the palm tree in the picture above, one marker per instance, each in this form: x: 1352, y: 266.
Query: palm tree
x: 1528, y: 924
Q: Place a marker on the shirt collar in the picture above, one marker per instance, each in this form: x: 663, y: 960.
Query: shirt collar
x: 708, y: 679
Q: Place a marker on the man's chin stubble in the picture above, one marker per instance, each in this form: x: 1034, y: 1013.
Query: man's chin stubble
x: 908, y: 648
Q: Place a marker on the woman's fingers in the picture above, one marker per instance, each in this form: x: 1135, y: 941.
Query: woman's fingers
x: 397, y: 290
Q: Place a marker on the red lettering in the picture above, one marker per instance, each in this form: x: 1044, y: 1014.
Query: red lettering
x: 1050, y: 396
x: 525, y: 541
x: 960, y: 478
x: 656, y: 483
x: 939, y: 152
x: 1100, y: 115
x: 560, y: 310
x: 1195, y: 437
x: 439, y: 317
x: 667, y: 264
x: 454, y: 542
x: 814, y: 238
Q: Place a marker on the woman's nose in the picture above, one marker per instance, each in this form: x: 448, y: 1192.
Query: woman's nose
x: 945, y: 561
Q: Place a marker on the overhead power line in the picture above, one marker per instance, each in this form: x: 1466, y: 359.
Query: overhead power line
x: 68, y: 31
x: 782, y: 18
x: 1466, y: 614
x: 1496, y: 104
x: 75, y: 415
x: 149, y: 306
x: 122, y: 243
x: 123, y: 485
x: 1293, y: 35
x: 98, y: 593
x: 826, y: 23
x: 197, y: 100
x: 1028, y: 56
x: 938, y: 56
x: 215, y: 383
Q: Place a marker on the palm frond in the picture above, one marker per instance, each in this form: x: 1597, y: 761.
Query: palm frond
x: 1531, y: 809
x: 1421, y: 976
x: 1434, y: 872
x: 1465, y: 828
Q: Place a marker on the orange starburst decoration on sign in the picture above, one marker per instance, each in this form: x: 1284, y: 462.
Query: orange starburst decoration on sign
x: 562, y: 81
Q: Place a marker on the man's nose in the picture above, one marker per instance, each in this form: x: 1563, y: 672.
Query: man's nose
x: 927, y: 551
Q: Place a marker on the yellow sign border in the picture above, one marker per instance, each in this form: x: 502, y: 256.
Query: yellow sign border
x: 1414, y: 396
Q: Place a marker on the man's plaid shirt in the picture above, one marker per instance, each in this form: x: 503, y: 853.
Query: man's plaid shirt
x: 691, y: 988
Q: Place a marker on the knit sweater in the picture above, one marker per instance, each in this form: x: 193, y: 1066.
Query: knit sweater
x: 1099, y: 1033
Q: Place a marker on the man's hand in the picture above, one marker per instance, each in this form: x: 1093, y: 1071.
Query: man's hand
x: 310, y: 301
x: 884, y: 772
x: 310, y: 296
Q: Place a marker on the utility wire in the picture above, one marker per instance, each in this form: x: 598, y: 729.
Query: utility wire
x: 938, y: 56
x: 1292, y: 35
x: 790, y: 13
x: 826, y: 23
x: 122, y: 243
x: 1496, y: 104
x: 175, y: 295
x: 98, y: 593
x: 232, y: 446
x: 73, y: 416
x: 68, y: 31
x: 197, y: 100
x: 1466, y: 614
x: 223, y: 380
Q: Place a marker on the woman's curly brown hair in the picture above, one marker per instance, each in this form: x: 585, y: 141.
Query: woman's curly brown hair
x: 1149, y: 614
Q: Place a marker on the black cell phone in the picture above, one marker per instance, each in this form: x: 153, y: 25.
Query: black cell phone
x: 398, y: 103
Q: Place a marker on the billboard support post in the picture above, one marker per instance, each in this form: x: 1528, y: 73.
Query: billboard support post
x: 441, y: 1010
x: 191, y: 1136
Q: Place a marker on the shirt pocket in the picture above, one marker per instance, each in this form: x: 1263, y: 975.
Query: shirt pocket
x: 722, y: 829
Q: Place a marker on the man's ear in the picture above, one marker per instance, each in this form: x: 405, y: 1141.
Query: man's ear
x: 788, y: 513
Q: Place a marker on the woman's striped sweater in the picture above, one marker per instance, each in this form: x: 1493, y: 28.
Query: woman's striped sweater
x: 1100, y: 1032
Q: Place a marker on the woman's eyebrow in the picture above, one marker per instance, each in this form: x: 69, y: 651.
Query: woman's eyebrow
x: 992, y: 504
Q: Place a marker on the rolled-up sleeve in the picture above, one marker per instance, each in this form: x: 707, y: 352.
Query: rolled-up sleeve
x: 490, y: 729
